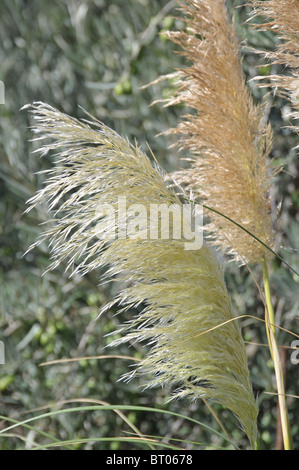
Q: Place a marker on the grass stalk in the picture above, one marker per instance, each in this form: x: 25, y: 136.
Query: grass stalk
x: 272, y: 339
x: 80, y: 409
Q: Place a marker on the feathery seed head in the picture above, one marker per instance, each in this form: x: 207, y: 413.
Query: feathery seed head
x: 225, y: 134
x: 282, y: 16
x: 187, y: 319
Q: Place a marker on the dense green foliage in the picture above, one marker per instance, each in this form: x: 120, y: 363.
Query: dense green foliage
x: 98, y: 54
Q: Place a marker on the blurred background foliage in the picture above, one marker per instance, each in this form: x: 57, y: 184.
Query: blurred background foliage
x: 98, y: 54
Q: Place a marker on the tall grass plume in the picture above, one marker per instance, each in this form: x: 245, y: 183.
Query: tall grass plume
x: 282, y: 17
x: 195, y: 343
x: 225, y: 133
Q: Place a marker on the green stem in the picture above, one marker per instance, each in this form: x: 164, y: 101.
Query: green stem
x: 271, y: 334
x: 270, y: 316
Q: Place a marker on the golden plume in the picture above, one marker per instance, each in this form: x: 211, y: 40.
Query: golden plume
x: 282, y: 17
x: 225, y: 133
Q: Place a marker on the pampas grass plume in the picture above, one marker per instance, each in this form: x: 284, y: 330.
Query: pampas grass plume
x: 187, y: 319
x: 225, y: 134
x: 282, y: 17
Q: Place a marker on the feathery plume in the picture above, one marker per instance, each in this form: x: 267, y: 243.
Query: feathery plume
x: 187, y: 319
x: 226, y: 135
x: 282, y: 16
